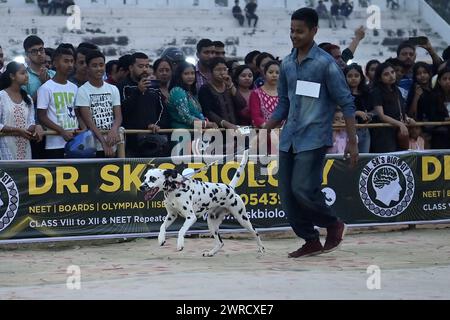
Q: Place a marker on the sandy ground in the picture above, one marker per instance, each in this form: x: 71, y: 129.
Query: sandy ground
x: 413, y: 264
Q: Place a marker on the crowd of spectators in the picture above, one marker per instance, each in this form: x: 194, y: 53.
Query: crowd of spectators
x: 69, y: 89
x: 53, y: 6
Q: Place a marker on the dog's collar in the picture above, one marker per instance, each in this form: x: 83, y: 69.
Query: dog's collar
x: 173, y: 185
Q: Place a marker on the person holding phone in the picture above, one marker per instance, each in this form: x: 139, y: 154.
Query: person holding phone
x: 143, y: 107
x: 406, y: 53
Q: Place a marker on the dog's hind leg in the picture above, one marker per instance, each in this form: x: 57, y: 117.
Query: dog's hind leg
x: 214, y: 219
x: 190, y: 220
x: 240, y: 214
x: 170, y: 218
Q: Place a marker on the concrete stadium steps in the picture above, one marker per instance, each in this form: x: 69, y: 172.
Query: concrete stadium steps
x: 184, y: 27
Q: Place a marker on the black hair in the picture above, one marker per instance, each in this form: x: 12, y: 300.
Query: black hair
x: 362, y: 87
x: 94, y: 54
x: 329, y: 47
x: 215, y: 61
x: 443, y: 71
x: 230, y: 63
x: 270, y: 63
x: 446, y: 54
x: 89, y: 46
x: 379, y: 72
x: 109, y: 66
x: 370, y: 63
x: 262, y: 56
x: 381, y: 67
x: 159, y: 61
x: 391, y: 95
x: 31, y: 41
x: 416, y: 68
x: 396, y: 62
x: 177, y: 80
x: 204, y: 43
x: 68, y: 46
x: 250, y: 56
x: 439, y: 92
x: 404, y: 45
x: 49, y: 52
x: 5, y: 80
x: 424, y: 65
x: 238, y: 72
x: 125, y: 62
x: 137, y: 55
x: 84, y: 51
x: 60, y: 51
x: 324, y: 44
x: 308, y: 15
x: 218, y: 44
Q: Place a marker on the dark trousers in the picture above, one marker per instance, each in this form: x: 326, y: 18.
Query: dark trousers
x: 54, y: 153
x: 53, y: 7
x: 239, y: 18
x: 100, y: 154
x: 38, y: 149
x: 42, y: 7
x: 250, y: 17
x: 300, y: 180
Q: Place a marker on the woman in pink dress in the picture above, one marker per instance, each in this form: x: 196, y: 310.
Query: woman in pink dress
x: 243, y: 79
x: 264, y: 100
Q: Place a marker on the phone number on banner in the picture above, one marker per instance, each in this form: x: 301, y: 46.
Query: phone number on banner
x: 255, y: 199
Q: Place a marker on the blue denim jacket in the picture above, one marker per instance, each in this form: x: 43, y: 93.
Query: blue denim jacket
x: 309, y: 120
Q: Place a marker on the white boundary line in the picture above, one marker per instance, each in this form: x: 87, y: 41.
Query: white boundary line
x: 155, y: 234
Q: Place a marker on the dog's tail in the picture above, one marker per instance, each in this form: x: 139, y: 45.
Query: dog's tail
x: 238, y: 173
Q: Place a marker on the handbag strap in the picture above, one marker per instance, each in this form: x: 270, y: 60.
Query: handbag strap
x: 402, y: 119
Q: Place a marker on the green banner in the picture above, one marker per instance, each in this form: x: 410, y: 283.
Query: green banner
x: 57, y: 200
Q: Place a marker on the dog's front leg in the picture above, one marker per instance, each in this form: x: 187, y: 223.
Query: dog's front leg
x: 190, y: 220
x: 170, y: 218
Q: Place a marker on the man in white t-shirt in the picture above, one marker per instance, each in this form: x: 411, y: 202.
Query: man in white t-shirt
x: 99, y: 105
x: 56, y: 105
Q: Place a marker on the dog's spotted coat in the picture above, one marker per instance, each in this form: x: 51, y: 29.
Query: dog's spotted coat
x: 191, y: 199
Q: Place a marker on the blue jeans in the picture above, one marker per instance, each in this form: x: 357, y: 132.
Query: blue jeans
x: 300, y: 181
x: 363, y: 140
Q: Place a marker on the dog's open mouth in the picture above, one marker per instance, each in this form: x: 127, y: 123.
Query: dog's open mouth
x: 151, y: 193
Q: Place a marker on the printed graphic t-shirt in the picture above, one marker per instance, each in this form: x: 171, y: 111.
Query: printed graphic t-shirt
x: 59, y: 101
x: 101, y: 102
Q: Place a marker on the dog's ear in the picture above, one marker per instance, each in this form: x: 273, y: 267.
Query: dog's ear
x: 170, y: 173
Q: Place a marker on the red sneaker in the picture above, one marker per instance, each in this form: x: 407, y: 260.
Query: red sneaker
x: 310, y: 248
x: 335, y: 235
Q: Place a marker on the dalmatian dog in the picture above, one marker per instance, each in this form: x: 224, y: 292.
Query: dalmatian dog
x: 191, y: 199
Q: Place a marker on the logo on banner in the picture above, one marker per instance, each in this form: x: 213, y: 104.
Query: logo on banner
x: 9, y: 200
x: 386, y: 186
x: 330, y: 196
